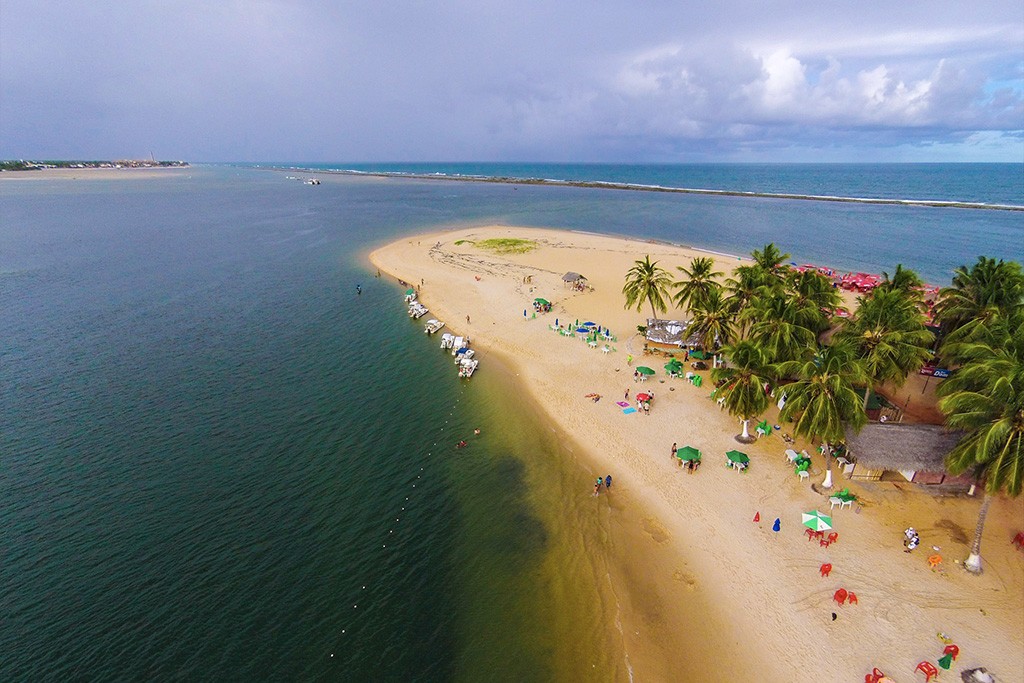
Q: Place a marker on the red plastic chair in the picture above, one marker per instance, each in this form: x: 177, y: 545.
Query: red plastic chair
x: 874, y: 677
x: 810, y: 533
x: 1018, y: 540
x: 825, y: 569
x: 840, y: 596
x: 952, y: 650
x: 833, y: 537
x: 853, y: 598
x: 928, y: 669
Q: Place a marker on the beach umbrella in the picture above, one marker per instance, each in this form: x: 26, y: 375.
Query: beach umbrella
x: 582, y: 330
x: 737, y: 456
x: 410, y: 292
x: 644, y: 370
x: 644, y: 397
x: 589, y: 324
x: 542, y: 302
x: 688, y: 453
x: 818, y: 521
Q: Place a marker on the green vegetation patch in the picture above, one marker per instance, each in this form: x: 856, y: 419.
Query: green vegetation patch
x: 507, y: 245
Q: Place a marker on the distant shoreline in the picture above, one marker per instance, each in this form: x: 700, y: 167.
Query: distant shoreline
x: 609, y: 185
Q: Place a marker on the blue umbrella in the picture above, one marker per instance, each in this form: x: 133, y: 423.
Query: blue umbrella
x: 582, y: 330
x: 589, y: 324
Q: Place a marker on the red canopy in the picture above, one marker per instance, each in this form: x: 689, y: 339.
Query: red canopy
x: 643, y: 397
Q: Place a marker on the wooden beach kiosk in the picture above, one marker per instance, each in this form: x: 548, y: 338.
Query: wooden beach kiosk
x: 890, y: 452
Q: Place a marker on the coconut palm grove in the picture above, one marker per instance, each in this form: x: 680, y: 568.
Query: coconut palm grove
x: 780, y: 327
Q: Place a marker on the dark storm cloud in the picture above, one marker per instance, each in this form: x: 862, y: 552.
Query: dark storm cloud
x: 486, y: 80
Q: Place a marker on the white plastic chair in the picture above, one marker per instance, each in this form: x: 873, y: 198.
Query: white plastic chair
x: 804, y: 475
x: 833, y: 501
x: 791, y: 455
x: 846, y: 504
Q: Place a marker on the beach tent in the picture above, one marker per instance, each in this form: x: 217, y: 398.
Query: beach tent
x: 572, y: 277
x: 817, y: 521
x: 644, y: 370
x: 737, y: 456
x: 688, y: 453
x: 542, y: 302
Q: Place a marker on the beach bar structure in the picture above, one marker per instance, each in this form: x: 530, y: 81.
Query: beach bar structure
x: 673, y: 332
x: 903, y: 452
x: 577, y: 281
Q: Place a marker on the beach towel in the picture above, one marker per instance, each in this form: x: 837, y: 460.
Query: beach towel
x: 622, y: 404
x: 627, y: 411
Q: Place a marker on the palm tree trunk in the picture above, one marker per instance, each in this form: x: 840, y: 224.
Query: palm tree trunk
x: 745, y: 434
x: 973, y: 561
x: 827, y: 452
x: 654, y: 313
x: 867, y: 395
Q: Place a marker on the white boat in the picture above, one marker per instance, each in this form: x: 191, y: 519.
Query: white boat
x: 463, y: 354
x: 433, y: 326
x: 467, y: 367
x: 458, y: 343
x: 417, y: 310
x: 447, y: 340
x: 311, y: 181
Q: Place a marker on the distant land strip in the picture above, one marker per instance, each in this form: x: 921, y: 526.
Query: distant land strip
x: 608, y: 185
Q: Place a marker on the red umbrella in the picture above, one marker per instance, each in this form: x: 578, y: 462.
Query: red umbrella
x: 643, y: 397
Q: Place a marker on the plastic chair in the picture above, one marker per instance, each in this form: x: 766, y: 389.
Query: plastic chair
x: 833, y: 501
x: 826, y: 569
x: 928, y: 669
x: 803, y: 475
x: 1018, y: 540
x: 875, y: 676
x: 934, y: 561
x: 846, y: 504
x: 810, y: 533
x: 833, y: 537
x: 853, y: 598
x: 840, y: 596
x: 952, y: 650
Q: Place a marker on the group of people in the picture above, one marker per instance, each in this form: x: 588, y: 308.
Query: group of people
x: 606, y: 482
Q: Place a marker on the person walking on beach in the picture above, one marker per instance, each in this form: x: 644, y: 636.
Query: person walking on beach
x: 626, y: 397
x: 608, y: 482
x: 674, y: 449
x: 597, y: 486
x: 467, y: 319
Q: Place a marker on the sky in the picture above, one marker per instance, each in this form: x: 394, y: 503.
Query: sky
x: 483, y: 80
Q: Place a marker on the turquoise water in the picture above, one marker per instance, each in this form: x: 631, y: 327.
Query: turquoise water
x: 208, y: 438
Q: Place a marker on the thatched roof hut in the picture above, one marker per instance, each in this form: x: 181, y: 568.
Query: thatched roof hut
x: 917, y: 452
x: 572, y: 277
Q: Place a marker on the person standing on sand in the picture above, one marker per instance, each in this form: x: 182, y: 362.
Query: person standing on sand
x: 626, y: 397
x: 467, y: 319
x: 608, y: 482
x: 597, y: 487
x: 674, y: 449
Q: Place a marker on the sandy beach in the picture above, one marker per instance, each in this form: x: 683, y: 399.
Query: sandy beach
x: 98, y: 173
x: 703, y: 591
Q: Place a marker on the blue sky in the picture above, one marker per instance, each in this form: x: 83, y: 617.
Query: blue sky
x: 607, y: 80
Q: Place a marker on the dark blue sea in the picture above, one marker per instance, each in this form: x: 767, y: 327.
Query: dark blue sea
x: 220, y: 462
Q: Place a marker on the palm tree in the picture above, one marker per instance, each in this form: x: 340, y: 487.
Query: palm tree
x: 712, y: 322
x: 700, y: 279
x: 743, y: 287
x: 903, y: 280
x: 814, y: 299
x: 745, y: 379
x: 822, y: 401
x: 769, y: 260
x: 774, y: 328
x: 645, y: 281
x: 890, y: 336
x: 980, y: 292
x: 985, y: 400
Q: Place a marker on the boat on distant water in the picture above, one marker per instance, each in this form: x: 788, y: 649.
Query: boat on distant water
x: 433, y: 326
x: 417, y: 310
x: 311, y: 181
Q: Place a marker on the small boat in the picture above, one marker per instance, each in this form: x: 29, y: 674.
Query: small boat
x: 311, y: 181
x: 433, y: 326
x: 458, y: 343
x: 417, y: 310
x: 463, y: 354
x: 447, y: 340
x: 467, y: 367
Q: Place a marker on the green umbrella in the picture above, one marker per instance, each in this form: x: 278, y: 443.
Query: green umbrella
x: 736, y: 456
x: 673, y: 367
x: 688, y: 453
x: 817, y: 521
x: 410, y: 292
x: 542, y: 302
x: 644, y: 370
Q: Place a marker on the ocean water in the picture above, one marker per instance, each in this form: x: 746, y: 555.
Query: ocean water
x: 220, y: 462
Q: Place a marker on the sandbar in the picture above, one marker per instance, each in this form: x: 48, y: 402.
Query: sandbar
x: 707, y: 592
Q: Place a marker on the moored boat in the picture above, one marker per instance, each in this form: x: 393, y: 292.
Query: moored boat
x: 433, y: 326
